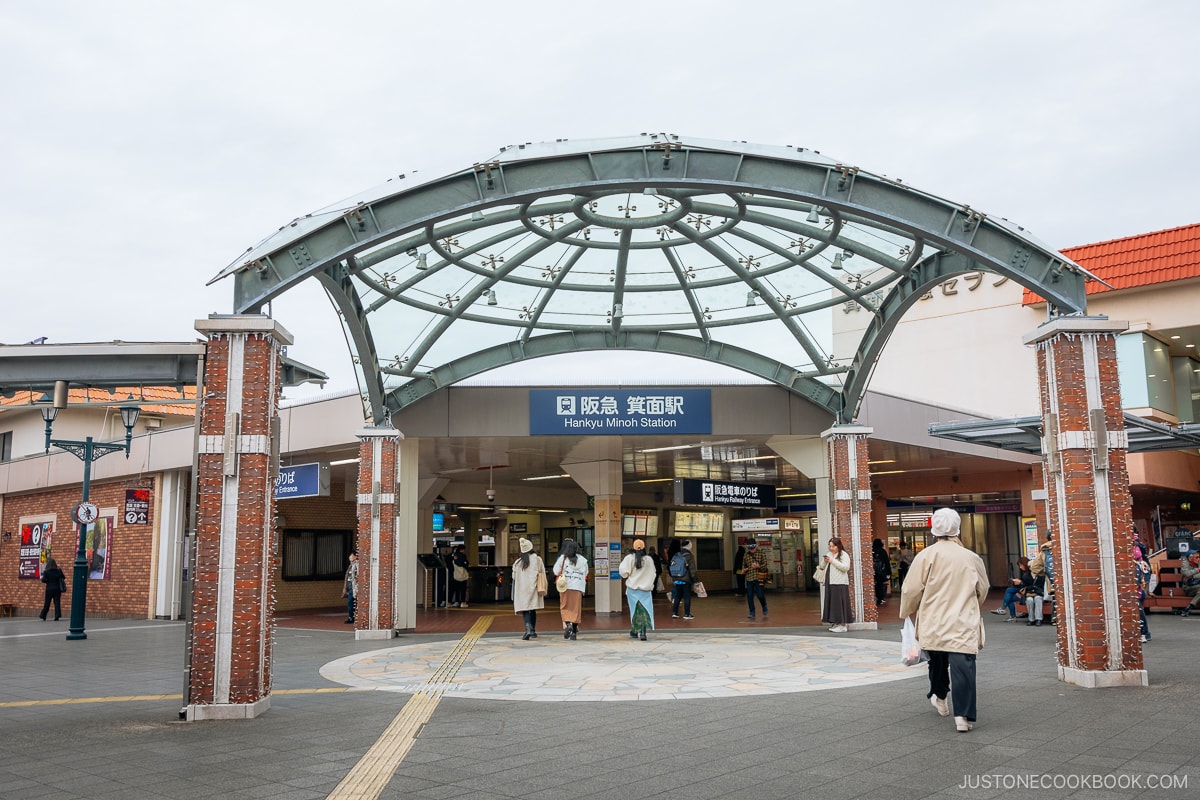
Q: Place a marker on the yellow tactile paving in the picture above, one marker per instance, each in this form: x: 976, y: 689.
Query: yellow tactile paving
x: 371, y: 774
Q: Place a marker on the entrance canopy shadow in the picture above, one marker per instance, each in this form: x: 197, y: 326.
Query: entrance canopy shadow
x: 729, y: 252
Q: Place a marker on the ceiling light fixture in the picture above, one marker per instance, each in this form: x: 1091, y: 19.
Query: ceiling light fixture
x: 546, y: 477
x: 343, y: 461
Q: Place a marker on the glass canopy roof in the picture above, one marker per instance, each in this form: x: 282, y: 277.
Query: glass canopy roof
x: 733, y: 253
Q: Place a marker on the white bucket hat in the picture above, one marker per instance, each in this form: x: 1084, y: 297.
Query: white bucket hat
x: 945, y: 523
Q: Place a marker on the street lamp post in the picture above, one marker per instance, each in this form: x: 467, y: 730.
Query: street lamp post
x: 86, y: 451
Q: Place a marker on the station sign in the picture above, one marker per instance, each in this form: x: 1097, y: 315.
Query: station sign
x: 302, y: 480
x: 699, y: 492
x: 619, y: 412
x: 763, y: 524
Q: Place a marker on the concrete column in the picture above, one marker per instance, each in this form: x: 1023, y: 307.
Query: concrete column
x: 233, y: 588
x: 851, y: 496
x: 408, y: 531
x: 1088, y: 506
x: 601, y: 478
x: 376, y: 541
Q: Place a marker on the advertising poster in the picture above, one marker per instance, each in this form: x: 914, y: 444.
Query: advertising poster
x: 1030, y: 528
x: 36, y: 538
x: 97, y: 547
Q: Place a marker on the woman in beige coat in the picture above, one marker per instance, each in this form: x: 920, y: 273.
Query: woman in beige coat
x: 526, y: 597
x: 943, y: 591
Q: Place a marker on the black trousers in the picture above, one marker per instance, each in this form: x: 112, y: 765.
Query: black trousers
x: 953, y: 674
x: 57, y: 598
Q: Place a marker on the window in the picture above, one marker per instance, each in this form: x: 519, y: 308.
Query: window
x: 316, y: 555
x: 6, y: 446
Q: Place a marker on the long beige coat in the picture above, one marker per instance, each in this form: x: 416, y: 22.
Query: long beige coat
x: 943, y: 592
x: 525, y: 596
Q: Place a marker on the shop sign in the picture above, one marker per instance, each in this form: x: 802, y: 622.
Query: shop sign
x: 518, y: 527
x: 696, y: 492
x: 302, y: 480
x: 615, y: 412
x: 998, y: 508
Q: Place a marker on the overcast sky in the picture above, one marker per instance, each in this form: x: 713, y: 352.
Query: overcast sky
x: 146, y: 145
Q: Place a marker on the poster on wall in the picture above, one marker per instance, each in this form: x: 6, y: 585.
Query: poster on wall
x: 98, y: 547
x: 1029, y: 528
x: 36, y: 539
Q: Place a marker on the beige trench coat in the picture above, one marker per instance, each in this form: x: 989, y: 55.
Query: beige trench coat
x: 943, y: 592
x: 524, y: 585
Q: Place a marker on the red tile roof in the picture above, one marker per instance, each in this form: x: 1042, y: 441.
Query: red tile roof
x: 83, y: 396
x: 1143, y: 260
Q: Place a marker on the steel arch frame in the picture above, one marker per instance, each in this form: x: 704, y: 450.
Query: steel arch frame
x: 340, y: 243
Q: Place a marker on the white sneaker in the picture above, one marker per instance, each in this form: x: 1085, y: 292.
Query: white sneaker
x: 463, y: 605
x: 940, y: 704
x: 838, y: 629
x: 962, y: 725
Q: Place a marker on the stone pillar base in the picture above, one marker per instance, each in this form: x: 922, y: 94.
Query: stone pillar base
x: 862, y: 626
x: 196, y: 713
x: 1103, y: 679
x: 374, y: 633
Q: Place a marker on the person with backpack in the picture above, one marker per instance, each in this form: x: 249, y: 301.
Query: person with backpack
x: 682, y: 570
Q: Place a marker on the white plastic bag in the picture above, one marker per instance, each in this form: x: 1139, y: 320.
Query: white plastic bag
x: 910, y: 649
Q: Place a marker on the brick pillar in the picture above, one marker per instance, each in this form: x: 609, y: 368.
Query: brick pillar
x: 374, y: 616
x: 1088, y: 506
x: 233, y: 583
x: 850, y: 485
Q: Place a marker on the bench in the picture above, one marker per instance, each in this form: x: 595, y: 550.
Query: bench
x: 7, y: 609
x: 1169, y: 593
x: 1047, y: 606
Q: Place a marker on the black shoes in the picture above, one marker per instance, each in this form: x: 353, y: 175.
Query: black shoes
x: 642, y: 636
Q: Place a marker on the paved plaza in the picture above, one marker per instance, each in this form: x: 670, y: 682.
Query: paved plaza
x: 780, y: 712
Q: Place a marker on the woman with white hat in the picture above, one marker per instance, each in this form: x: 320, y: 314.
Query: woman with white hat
x: 638, y: 571
x: 943, y: 592
x: 527, y: 598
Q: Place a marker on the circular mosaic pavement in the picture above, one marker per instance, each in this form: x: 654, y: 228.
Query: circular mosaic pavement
x: 605, y: 666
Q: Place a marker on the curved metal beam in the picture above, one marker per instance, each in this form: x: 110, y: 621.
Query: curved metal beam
x: 559, y: 343
x: 311, y: 245
x: 923, y: 277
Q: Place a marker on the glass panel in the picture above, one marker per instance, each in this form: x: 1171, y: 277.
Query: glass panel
x: 1158, y: 375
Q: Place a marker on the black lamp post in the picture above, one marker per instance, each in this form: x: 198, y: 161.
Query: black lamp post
x: 85, y: 513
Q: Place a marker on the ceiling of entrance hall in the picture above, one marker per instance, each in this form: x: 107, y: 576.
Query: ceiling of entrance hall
x: 734, y: 253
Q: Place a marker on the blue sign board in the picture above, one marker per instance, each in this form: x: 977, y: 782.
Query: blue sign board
x: 302, y: 480
x: 614, y: 412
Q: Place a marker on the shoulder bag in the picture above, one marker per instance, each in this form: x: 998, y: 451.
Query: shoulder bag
x: 460, y: 573
x: 542, y: 585
x: 561, y: 584
x: 819, y: 572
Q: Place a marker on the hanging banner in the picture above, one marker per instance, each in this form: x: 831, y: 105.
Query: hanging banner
x: 137, y: 506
